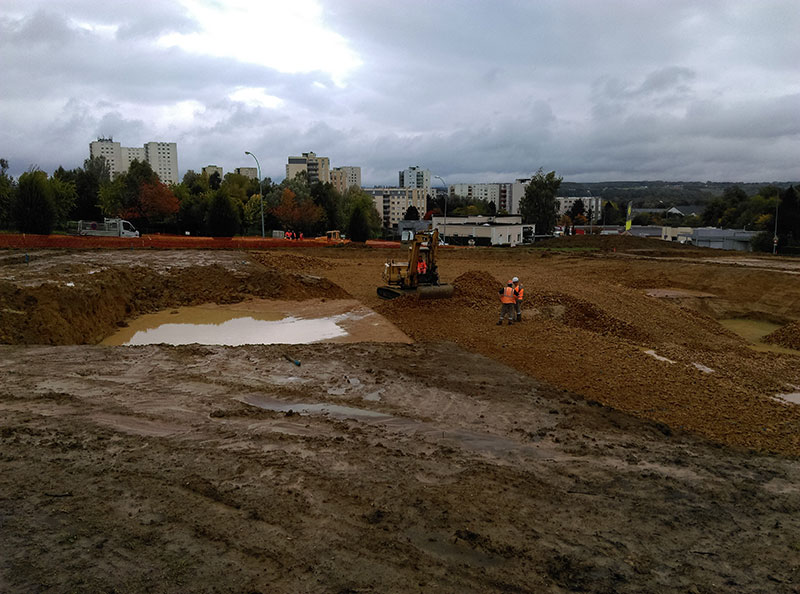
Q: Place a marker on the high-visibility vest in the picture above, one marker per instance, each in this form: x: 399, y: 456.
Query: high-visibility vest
x: 508, y: 295
x: 422, y: 268
x: 520, y: 290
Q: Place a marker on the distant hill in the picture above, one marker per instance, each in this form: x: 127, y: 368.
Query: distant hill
x: 654, y: 194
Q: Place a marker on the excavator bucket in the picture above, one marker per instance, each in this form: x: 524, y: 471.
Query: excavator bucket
x: 435, y: 292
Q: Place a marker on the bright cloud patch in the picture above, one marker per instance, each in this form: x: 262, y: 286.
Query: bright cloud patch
x: 255, y: 97
x: 287, y: 36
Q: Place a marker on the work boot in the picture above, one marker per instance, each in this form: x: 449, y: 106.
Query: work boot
x: 519, y: 318
x: 510, y: 322
x: 500, y: 323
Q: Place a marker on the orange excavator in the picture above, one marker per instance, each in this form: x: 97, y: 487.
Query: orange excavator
x: 419, y: 274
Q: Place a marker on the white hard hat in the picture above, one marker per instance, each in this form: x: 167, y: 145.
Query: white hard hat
x: 515, y: 280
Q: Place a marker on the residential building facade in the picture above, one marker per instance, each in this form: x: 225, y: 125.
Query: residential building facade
x: 415, y: 177
x: 343, y: 178
x: 210, y: 170
x: 317, y: 168
x: 161, y: 156
x: 496, y: 193
x: 392, y: 203
x: 248, y: 172
x: 591, y: 204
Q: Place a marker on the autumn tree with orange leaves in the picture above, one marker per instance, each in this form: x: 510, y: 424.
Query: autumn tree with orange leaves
x: 297, y: 214
x: 157, y: 201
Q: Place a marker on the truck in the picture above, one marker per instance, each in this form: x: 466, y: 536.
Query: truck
x: 114, y: 227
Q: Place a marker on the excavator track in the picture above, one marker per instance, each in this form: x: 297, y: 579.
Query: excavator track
x: 426, y: 292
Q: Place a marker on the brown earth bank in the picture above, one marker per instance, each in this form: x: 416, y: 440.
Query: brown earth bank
x: 612, y: 441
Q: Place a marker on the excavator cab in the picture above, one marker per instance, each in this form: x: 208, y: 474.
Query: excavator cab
x: 419, y: 274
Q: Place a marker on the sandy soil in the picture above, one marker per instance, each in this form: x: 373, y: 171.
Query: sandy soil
x: 618, y: 439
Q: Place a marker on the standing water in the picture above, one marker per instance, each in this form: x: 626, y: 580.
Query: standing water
x: 260, y: 322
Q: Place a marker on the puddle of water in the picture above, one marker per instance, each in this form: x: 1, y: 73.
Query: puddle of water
x: 259, y: 322
x: 236, y: 332
x: 794, y: 397
x: 753, y: 331
x: 703, y: 368
x: 659, y: 357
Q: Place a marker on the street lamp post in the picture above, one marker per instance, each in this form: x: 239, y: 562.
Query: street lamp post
x: 775, y: 238
x: 446, y: 192
x: 260, y: 190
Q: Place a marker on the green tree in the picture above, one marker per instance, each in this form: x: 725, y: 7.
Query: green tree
x: 6, y: 194
x: 331, y: 201
x: 358, y: 226
x: 110, y: 197
x: 64, y: 198
x: 577, y: 208
x: 363, y: 221
x: 539, y: 205
x: 33, y: 208
x: 196, y: 183
x: 412, y: 214
x: 95, y: 173
x: 789, y: 216
x: 223, y: 218
x: 193, y: 211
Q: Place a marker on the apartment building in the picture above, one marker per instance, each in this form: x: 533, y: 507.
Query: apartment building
x: 248, y: 172
x: 591, y: 204
x: 392, y: 203
x: 210, y: 170
x: 318, y: 168
x: 162, y: 157
x: 415, y: 177
x: 496, y: 193
x: 343, y: 178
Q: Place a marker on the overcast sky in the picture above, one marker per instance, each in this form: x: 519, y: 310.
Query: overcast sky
x: 490, y: 90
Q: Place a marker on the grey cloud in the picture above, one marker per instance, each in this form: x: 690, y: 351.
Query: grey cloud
x: 595, y: 90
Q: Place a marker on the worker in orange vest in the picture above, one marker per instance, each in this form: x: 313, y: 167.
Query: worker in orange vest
x: 508, y: 298
x: 520, y: 291
x: 422, y: 267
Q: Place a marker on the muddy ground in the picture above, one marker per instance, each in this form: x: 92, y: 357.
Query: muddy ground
x: 617, y: 440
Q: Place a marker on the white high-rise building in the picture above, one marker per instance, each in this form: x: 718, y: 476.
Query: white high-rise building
x: 415, y: 177
x: 343, y: 178
x: 162, y: 157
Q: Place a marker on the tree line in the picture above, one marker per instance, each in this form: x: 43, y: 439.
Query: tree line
x: 200, y: 204
x: 772, y: 211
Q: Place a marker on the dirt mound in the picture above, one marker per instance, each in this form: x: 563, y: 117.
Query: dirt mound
x: 578, y: 313
x: 289, y: 262
x: 476, y: 288
x: 788, y: 336
x: 86, y: 313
